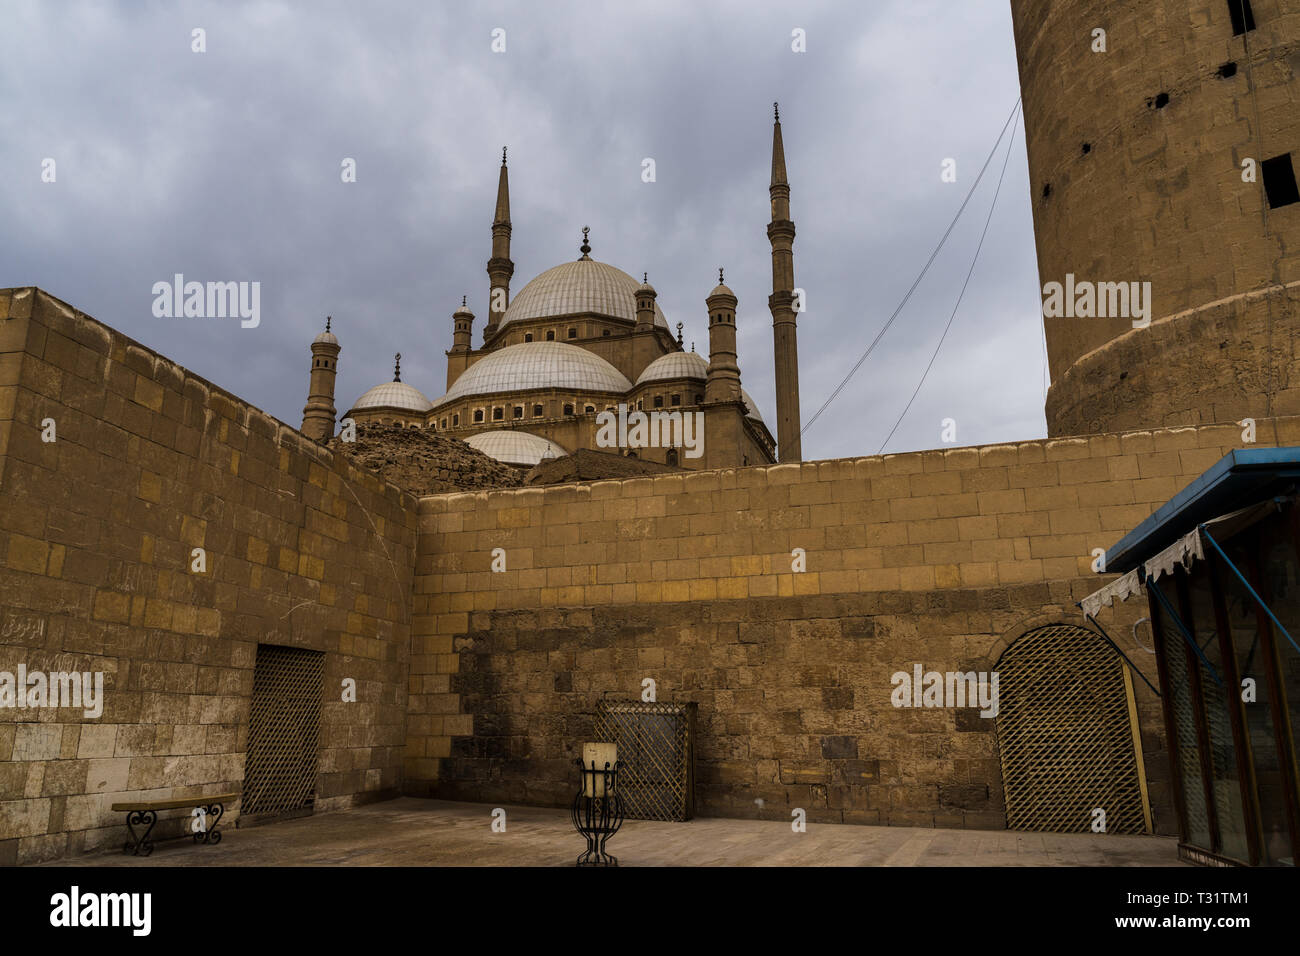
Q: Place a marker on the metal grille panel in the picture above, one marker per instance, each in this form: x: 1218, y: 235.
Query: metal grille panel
x: 656, y: 753
x: 283, y: 730
x: 1065, y: 734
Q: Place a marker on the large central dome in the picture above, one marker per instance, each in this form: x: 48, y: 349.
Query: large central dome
x: 531, y: 365
x: 574, y: 288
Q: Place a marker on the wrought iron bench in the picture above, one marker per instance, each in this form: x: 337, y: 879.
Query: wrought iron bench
x: 142, y: 812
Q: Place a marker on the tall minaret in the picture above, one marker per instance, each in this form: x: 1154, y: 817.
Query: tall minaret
x: 499, y: 267
x: 780, y: 232
x: 319, y: 414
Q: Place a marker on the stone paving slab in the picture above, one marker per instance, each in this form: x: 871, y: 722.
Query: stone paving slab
x: 415, y: 832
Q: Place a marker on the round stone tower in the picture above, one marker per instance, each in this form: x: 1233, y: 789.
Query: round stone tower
x: 1164, y: 143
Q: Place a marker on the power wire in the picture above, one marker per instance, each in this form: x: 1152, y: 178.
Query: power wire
x: 994, y: 205
x: 853, y: 371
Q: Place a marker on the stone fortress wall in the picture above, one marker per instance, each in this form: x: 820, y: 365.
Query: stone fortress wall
x: 477, y: 684
x: 96, y: 536
x: 941, y: 558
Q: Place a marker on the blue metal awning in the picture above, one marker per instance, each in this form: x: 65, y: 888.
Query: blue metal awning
x: 1239, y: 478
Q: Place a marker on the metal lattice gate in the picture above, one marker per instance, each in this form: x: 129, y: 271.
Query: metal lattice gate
x: 656, y: 754
x: 283, y: 730
x: 1067, y: 735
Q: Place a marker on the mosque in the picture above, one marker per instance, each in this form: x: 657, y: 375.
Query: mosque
x: 583, y: 338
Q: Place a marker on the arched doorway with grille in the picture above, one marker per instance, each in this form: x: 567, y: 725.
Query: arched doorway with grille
x: 1068, y: 735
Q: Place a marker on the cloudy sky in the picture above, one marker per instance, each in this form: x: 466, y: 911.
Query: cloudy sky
x: 225, y: 165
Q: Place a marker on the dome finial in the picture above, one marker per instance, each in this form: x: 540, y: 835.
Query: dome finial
x: 464, y: 301
x: 720, y: 282
x: 645, y: 277
x: 327, y: 322
x: 397, y: 367
x: 585, y: 248
x: 776, y: 111
x: 679, y: 333
x: 503, y: 155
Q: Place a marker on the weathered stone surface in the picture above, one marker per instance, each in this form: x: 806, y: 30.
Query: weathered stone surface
x: 96, y: 536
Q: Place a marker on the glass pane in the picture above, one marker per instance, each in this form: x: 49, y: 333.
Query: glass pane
x: 1226, y: 786
x: 1184, y: 729
x: 1249, y: 651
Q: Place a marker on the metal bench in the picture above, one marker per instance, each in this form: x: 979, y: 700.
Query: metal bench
x: 142, y: 812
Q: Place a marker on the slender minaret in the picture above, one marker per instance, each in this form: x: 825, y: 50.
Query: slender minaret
x: 499, y: 267
x: 462, y: 325
x: 722, y: 380
x: 780, y: 232
x: 319, y: 413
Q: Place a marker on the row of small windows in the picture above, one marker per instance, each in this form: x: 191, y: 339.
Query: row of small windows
x: 550, y: 335
x: 539, y: 411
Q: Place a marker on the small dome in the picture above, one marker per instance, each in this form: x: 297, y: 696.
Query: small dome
x: 721, y: 290
x: 515, y: 448
x: 675, y: 365
x: 326, y: 338
x: 530, y: 365
x: 646, y: 288
x: 573, y: 288
x: 397, y: 395
x: 464, y: 310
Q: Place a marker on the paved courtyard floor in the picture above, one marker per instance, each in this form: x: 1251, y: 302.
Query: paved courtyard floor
x: 415, y: 832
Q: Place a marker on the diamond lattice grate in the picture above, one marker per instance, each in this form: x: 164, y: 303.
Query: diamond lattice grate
x: 1065, y: 734
x: 656, y: 744
x: 283, y: 730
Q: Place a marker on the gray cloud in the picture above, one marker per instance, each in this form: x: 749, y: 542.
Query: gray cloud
x: 225, y: 166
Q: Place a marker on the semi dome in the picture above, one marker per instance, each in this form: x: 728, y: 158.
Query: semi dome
x: 573, y: 288
x: 398, y: 395
x: 675, y: 365
x: 751, y: 407
x: 515, y: 448
x: 530, y: 365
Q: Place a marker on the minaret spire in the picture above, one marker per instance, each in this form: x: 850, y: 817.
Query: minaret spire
x: 778, y: 151
x: 500, y: 267
x: 780, y: 233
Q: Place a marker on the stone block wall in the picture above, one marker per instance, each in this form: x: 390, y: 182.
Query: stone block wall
x: 941, y: 558
x: 97, y: 531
